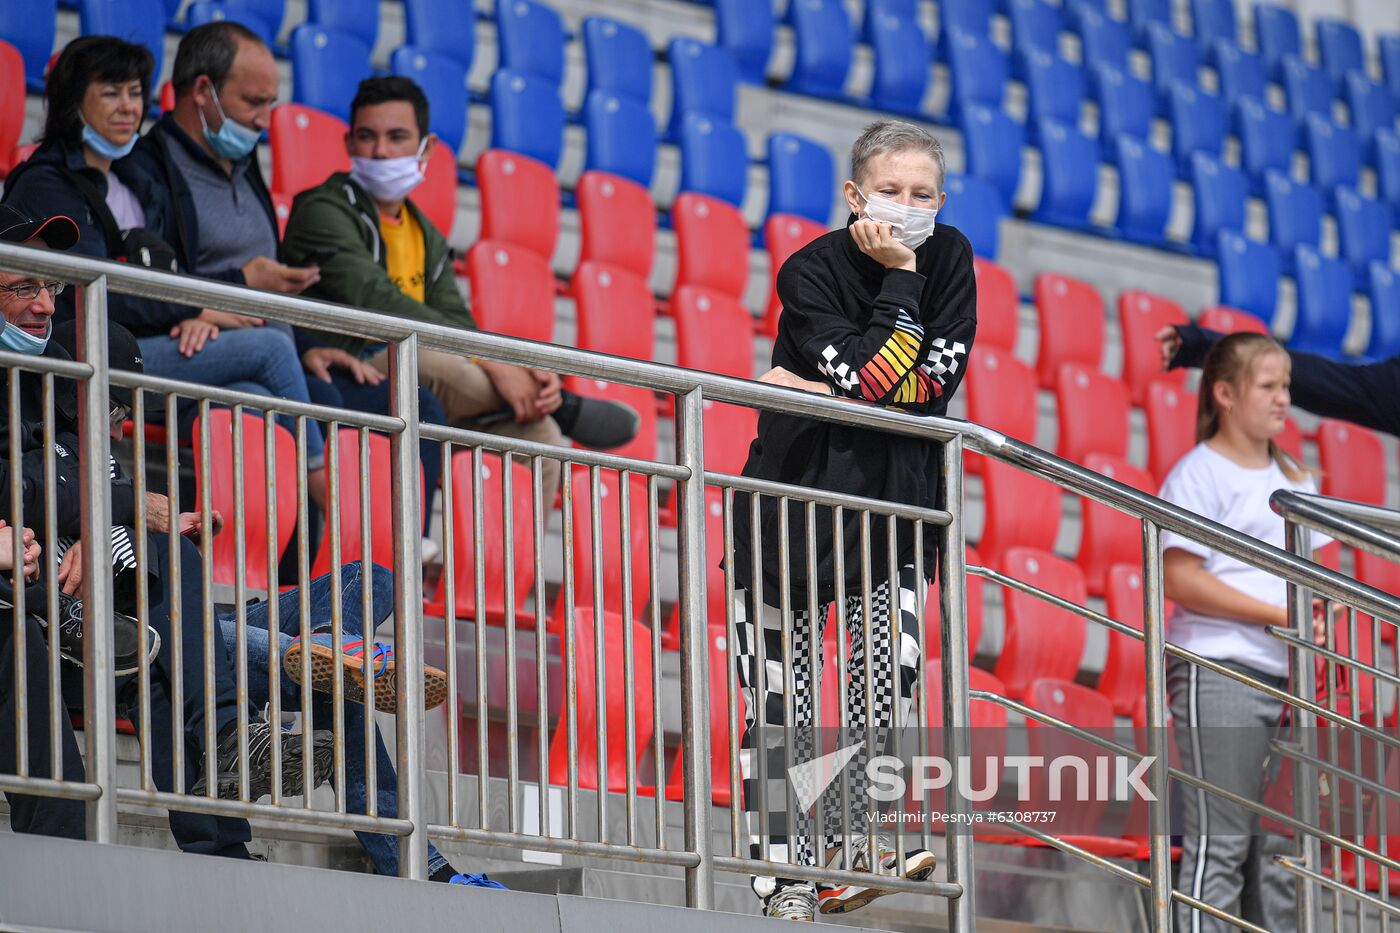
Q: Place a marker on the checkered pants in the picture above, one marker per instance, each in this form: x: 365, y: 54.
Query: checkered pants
x: 778, y: 695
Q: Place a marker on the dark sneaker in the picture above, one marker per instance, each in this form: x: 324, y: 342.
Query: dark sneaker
x: 477, y: 881
x: 596, y: 423
x: 127, y: 642
x: 792, y: 902
x: 844, y: 898
x: 261, y: 735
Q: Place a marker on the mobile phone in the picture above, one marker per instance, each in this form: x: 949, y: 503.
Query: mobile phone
x: 321, y: 255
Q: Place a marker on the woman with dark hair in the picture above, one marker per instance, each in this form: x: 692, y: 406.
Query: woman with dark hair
x: 95, y: 99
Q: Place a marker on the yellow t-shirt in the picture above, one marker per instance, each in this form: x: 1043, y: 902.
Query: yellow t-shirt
x: 405, y: 253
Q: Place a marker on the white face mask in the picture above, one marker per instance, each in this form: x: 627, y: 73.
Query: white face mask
x: 389, y: 179
x: 912, y: 225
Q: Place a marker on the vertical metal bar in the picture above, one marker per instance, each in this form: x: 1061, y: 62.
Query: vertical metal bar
x: 483, y: 762
x: 512, y: 690
x: 695, y: 720
x: 1154, y: 641
x: 240, y: 595
x: 208, y: 625
x: 841, y: 673
x: 658, y: 738
x: 99, y: 689
x: 304, y: 603
x: 785, y: 649
x: 449, y: 629
x: 816, y: 655
x: 867, y: 635
x: 274, y: 657
x: 21, y: 688
x: 921, y: 701
x: 758, y: 740
x: 896, y: 720
x: 568, y: 709
x: 367, y: 611
x: 1299, y: 540
x: 332, y: 532
x: 731, y: 693
x: 952, y: 568
x: 177, y: 618
x: 537, y: 511
x: 600, y: 665
x: 50, y: 558
x: 624, y: 504
x: 408, y: 605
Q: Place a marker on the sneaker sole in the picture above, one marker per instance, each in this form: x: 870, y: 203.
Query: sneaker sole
x: 121, y: 671
x: 921, y: 870
x: 386, y: 694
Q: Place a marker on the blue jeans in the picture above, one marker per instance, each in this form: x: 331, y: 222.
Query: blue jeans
x: 260, y: 360
x: 382, y: 850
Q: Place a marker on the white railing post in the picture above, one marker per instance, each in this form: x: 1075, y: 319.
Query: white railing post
x: 1298, y: 540
x: 1154, y: 647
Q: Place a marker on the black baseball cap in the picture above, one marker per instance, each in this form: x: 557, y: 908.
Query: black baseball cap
x: 56, y: 232
x: 123, y: 352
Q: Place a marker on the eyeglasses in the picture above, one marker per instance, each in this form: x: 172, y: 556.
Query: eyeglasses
x: 118, y: 415
x: 30, y: 291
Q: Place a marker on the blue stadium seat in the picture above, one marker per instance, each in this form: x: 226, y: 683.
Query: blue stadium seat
x: 1389, y: 47
x: 1145, y: 179
x: 1103, y: 40
x: 1249, y: 274
x: 801, y: 177
x: 621, y: 136
x: 824, y: 44
x: 714, y: 158
x: 1338, y: 48
x: 326, y: 67
x: 973, y: 16
x: 619, y: 59
x: 358, y: 18
x: 1267, y: 140
x: 1144, y: 14
x: 1276, y: 35
x: 1385, y: 312
x: 902, y: 59
x: 269, y: 13
x: 1221, y: 192
x: 746, y: 30
x: 1388, y: 168
x: 1212, y: 20
x: 1241, y: 74
x: 1334, y: 154
x: 1198, y: 125
x: 978, y: 70
x: 975, y: 208
x: 530, y: 37
x: 28, y: 25
x: 440, y: 27
x: 527, y: 116
x: 214, y: 11
x: 704, y: 80
x: 1035, y: 26
x: 1125, y: 108
x: 1308, y: 89
x: 1372, y: 108
x: 1295, y: 216
x: 906, y: 11
x: 445, y: 84
x: 1175, y: 60
x: 1055, y: 89
x: 1363, y: 230
x: 1077, y: 11
x: 1069, y: 174
x: 1324, y: 303
x: 139, y: 21
x: 992, y: 142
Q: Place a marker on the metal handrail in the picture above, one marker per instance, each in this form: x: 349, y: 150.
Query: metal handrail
x: 1351, y: 523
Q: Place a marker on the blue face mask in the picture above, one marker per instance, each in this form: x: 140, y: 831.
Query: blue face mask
x: 104, y: 147
x: 233, y: 141
x: 22, y: 341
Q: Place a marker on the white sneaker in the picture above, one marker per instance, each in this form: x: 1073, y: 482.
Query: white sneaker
x: 844, y: 898
x: 792, y: 902
x: 432, y: 554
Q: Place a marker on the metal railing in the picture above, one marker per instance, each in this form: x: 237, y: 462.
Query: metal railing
x: 557, y: 658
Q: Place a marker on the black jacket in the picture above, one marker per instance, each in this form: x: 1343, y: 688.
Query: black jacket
x: 891, y: 337
x: 42, y: 186
x: 1368, y: 395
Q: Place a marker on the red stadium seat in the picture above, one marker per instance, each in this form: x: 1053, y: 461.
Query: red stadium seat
x: 717, y: 616
x: 512, y: 290
x: 784, y: 234
x: 1041, y: 640
x: 167, y: 97
x: 282, y: 207
x: 729, y: 430
x: 1228, y: 320
x: 1140, y: 316
x: 1018, y: 509
x: 1352, y: 460
x: 1001, y: 394
x: 519, y: 201
x: 998, y: 305
x: 976, y: 611
x: 612, y: 530
x: 642, y: 401
x: 615, y: 311
x: 308, y: 145
x: 381, y: 497
x: 1384, y: 575
x: 1071, y: 325
x: 619, y: 688
x: 1123, y: 679
x: 987, y: 720
x: 721, y: 791
x: 259, y: 527
x: 491, y: 547
x: 617, y: 222
x: 11, y: 103
x: 1108, y: 536
x: 1291, y: 439
x: 1389, y: 844
x: 714, y: 332
x: 21, y: 152
x: 712, y: 244
x: 437, y: 196
x: 1171, y: 427
x: 1093, y: 413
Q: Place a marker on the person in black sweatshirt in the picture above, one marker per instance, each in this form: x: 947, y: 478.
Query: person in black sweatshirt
x: 882, y: 311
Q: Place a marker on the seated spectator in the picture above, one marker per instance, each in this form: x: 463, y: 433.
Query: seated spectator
x: 96, y: 95
x: 389, y: 257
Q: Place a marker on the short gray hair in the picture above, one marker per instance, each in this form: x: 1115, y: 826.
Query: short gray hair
x: 895, y: 136
x: 209, y: 50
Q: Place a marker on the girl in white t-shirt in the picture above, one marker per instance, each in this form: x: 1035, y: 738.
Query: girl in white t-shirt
x: 1222, y: 608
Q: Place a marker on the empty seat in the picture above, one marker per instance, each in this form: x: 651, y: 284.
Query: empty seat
x: 615, y: 310
x: 1199, y: 125
x: 1125, y: 108
x: 1035, y: 26
x: 1363, y: 230
x: 1041, y: 640
x: 440, y: 27
x: 1389, y: 48
x: 1266, y: 142
x: 1388, y: 168
x: 972, y: 16
x: 307, y: 146
x: 1123, y: 679
x: 617, y: 568
x: 1175, y: 60
x: 1334, y: 154
x: 1227, y: 320
x: 714, y: 158
x: 1307, y: 89
x: 1212, y: 21
x: 1324, y: 303
x: 1220, y: 192
x: 903, y: 10
x: 712, y: 244
x: 1171, y: 426
x: 801, y: 177
x: 530, y: 37
x: 1372, y: 108
x: 519, y: 201
x: 325, y: 65
x: 1352, y: 460
x: 1054, y: 86
x: 358, y: 18
x: 1071, y: 317
x: 903, y: 59
x: 1249, y: 274
x: 976, y: 612
x: 621, y: 136
x: 355, y: 527
x: 823, y: 44
x: 437, y: 196
x: 975, y: 208
x: 1338, y: 48
x: 1103, y: 40
x: 1092, y: 411
x: 1276, y: 35
x: 723, y: 790
x: 713, y: 332
x: 1000, y: 395
x: 783, y: 234
x: 1295, y: 216
x: 703, y: 80
x: 729, y: 432
x: 1018, y: 509
x: 619, y: 59
x: 210, y: 11
x: 1385, y: 312
x: 11, y: 103
x: 978, y: 70
x: 992, y: 143
x: 1070, y: 176
x: 138, y: 21
x: 617, y: 222
x: 512, y: 290
x: 28, y: 25
x: 268, y: 13
x: 1145, y: 187
x: 746, y: 30
x: 527, y: 116
x: 1108, y: 536
x: 1144, y: 15
x: 444, y: 83
x: 998, y: 306
x: 1140, y: 316
x: 1241, y: 74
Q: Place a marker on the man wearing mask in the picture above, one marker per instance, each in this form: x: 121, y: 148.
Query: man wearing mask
x: 389, y: 257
